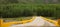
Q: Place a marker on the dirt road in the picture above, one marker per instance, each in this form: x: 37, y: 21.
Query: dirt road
x: 38, y: 21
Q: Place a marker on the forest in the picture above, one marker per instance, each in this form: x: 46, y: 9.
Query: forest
x: 24, y: 8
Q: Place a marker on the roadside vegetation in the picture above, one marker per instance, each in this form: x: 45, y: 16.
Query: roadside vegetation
x: 16, y: 19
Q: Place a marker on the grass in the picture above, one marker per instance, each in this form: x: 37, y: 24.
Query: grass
x: 52, y: 18
x: 16, y: 19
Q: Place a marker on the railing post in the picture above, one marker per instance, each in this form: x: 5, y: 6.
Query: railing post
x: 1, y: 21
x: 59, y: 22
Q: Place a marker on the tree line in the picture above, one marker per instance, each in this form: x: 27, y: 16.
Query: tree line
x: 19, y: 10
x: 30, y: 1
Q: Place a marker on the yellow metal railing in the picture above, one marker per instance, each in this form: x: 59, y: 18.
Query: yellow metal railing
x: 7, y: 24
x: 51, y: 21
x: 1, y: 21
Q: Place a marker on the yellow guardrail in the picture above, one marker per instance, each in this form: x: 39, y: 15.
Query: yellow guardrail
x: 51, y: 21
x: 1, y: 21
x: 7, y: 24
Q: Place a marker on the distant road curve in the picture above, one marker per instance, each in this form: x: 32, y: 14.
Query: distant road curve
x: 38, y: 21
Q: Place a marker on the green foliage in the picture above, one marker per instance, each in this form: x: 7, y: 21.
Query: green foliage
x: 8, y: 1
x: 18, y: 10
x: 30, y: 1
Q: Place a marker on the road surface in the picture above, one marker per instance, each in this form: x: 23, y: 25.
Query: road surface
x: 38, y: 21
